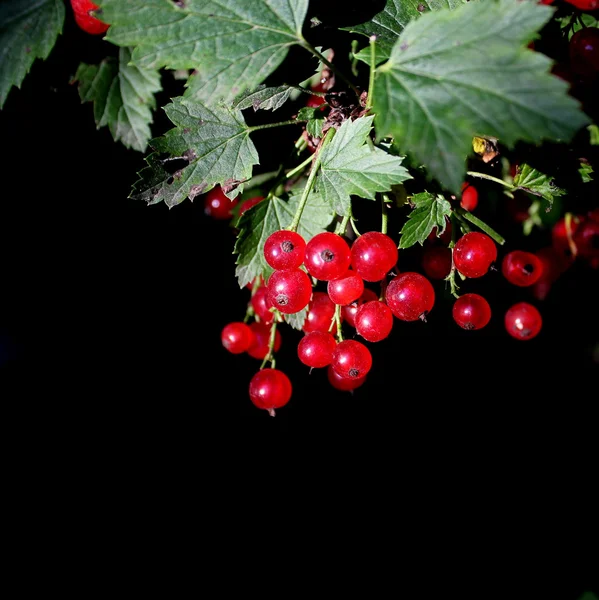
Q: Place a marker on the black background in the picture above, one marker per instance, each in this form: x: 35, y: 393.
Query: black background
x: 115, y: 303
x: 110, y: 318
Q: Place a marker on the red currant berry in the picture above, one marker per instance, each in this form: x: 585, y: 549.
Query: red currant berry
x: 316, y: 101
x: 436, y: 261
x: 237, y: 337
x: 217, y: 205
x: 586, y: 239
x: 521, y: 268
x: 259, y: 347
x: 410, y: 296
x: 584, y: 4
x: 348, y: 313
x: 474, y: 253
x: 248, y: 203
x: 284, y: 249
x: 83, y: 11
x: 374, y: 321
x: 523, y: 321
x: 344, y: 384
x: 262, y: 305
x: 321, y: 314
x: 584, y: 51
x: 270, y: 389
x: 562, y: 235
x: 316, y: 349
x: 471, y: 311
x: 469, y: 200
x: 444, y: 237
x: 289, y: 291
x: 328, y: 256
x: 351, y: 359
x: 554, y: 264
x: 345, y: 289
x: 373, y: 255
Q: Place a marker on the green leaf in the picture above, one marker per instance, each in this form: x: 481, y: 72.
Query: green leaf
x: 297, y: 320
x: 28, y: 30
x: 214, y: 145
x: 585, y: 171
x: 529, y: 179
x: 232, y: 45
x: 593, y: 134
x: 123, y: 97
x: 392, y: 20
x: 429, y: 211
x: 266, y: 217
x: 351, y: 166
x: 456, y: 74
x: 263, y: 98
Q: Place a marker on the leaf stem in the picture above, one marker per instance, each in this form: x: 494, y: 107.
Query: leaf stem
x: 330, y: 65
x: 491, y: 178
x: 384, y: 215
x: 468, y: 216
x: 310, y: 183
x: 337, y: 318
x: 279, y: 124
x: 341, y: 226
x: 369, y: 100
x: 299, y: 167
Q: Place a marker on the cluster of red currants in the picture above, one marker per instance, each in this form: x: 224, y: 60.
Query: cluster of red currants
x: 85, y: 17
x: 346, y: 270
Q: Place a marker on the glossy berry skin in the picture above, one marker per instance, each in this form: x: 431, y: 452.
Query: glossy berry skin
x: 218, y: 206
x: 85, y: 18
x: 237, y: 337
x: 586, y: 239
x: 584, y: 51
x: 289, y: 291
x: 348, y: 313
x: 248, y: 203
x: 474, y: 253
x: 345, y: 289
x: 471, y: 311
x: 584, y: 4
x: 284, y: 249
x: 523, y: 321
x: 373, y: 255
x: 410, y: 296
x: 321, y: 313
x: 521, y: 268
x: 259, y: 347
x: 270, y: 389
x: 343, y: 384
x: 374, y: 321
x: 328, y: 256
x: 261, y: 305
x: 351, y: 359
x: 469, y: 199
x: 436, y: 261
x: 316, y: 349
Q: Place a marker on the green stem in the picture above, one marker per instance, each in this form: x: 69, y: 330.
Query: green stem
x: 338, y: 322
x: 299, y: 167
x: 384, y: 216
x: 341, y: 226
x: 279, y: 124
x: 270, y: 358
x: 369, y: 101
x: 310, y: 183
x: 468, y: 216
x: 491, y: 178
x: 330, y: 65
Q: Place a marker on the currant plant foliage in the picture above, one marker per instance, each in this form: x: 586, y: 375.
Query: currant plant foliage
x: 430, y: 84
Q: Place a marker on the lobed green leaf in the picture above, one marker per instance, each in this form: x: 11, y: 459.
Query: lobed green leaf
x: 456, y: 74
x: 123, y: 97
x: 28, y: 30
